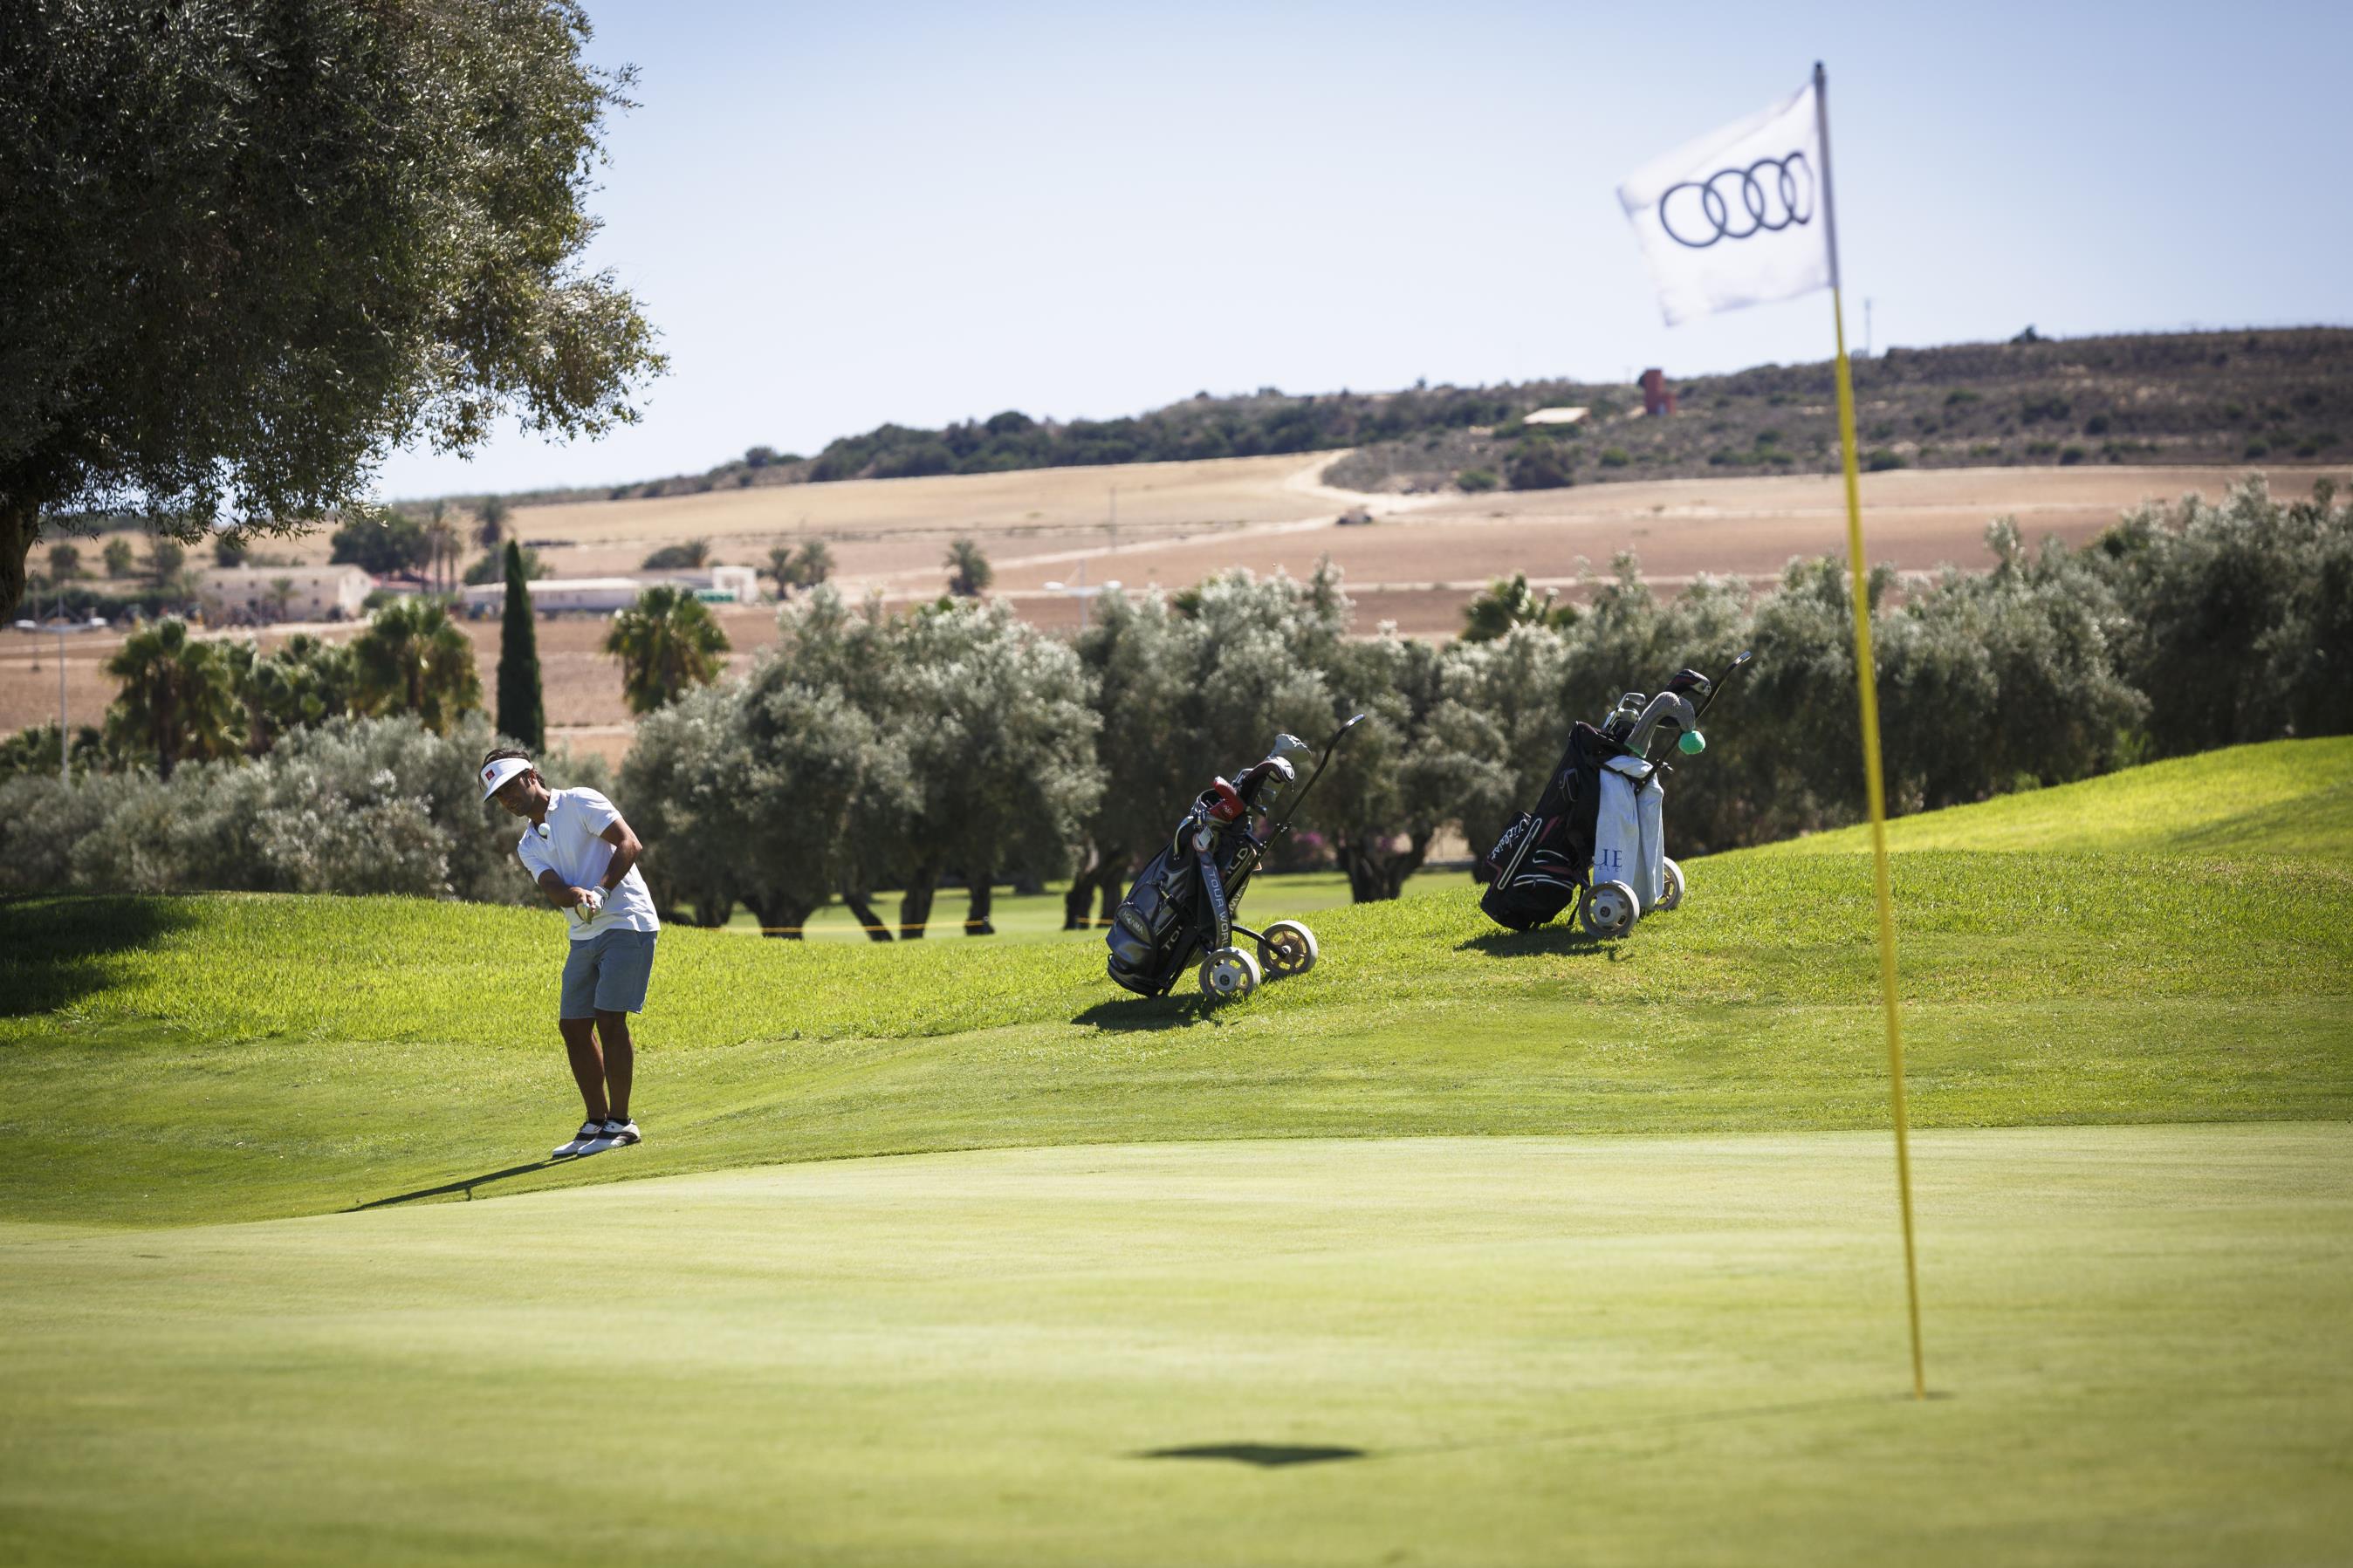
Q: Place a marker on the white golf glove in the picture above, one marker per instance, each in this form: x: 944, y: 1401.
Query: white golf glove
x: 591, y: 902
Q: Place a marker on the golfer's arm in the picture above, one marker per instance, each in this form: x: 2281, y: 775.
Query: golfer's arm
x: 626, y: 850
x: 559, y: 892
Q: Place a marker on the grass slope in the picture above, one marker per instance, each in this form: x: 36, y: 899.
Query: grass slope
x: 2287, y: 799
x: 1038, y: 917
x: 1589, y: 1351
x: 1685, y: 1346
x: 182, y: 1060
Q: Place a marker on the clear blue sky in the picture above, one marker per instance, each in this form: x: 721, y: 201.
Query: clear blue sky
x: 839, y: 216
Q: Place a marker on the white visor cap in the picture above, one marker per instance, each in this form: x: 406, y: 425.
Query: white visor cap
x: 495, y: 777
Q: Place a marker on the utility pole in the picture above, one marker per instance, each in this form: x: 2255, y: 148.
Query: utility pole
x: 65, y: 738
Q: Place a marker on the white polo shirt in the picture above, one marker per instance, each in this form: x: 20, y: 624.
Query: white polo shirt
x: 567, y: 843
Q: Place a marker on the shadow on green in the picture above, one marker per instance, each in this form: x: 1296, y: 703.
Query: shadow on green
x: 56, y: 951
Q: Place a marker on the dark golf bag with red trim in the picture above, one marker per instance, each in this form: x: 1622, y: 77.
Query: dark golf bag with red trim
x: 1182, y: 906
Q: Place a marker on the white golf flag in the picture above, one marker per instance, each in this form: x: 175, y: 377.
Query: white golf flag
x: 1736, y: 217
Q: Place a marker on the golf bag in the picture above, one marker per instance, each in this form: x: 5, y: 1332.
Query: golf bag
x: 1598, y: 833
x: 1181, y: 905
x: 1544, y: 858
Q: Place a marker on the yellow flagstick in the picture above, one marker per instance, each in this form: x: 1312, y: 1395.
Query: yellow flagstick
x: 1874, y: 790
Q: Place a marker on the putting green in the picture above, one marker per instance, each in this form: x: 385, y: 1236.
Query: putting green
x: 1609, y: 1350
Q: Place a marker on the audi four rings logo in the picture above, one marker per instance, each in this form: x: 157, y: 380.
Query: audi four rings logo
x: 1774, y: 193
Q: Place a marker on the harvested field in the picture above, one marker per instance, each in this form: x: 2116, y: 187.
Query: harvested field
x: 1417, y: 564
x: 1751, y: 527
x: 886, y: 529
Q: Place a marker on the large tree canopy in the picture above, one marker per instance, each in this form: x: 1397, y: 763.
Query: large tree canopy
x: 248, y: 246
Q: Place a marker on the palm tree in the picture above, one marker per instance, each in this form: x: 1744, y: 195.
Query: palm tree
x: 281, y: 594
x: 969, y: 572
x: 441, y: 541
x: 666, y: 642
x: 178, y: 700
x: 806, y: 568
x: 492, y: 530
x: 305, y: 683
x: 1514, y: 603
x: 413, y: 660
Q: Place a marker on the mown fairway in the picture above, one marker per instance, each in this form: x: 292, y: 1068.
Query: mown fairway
x: 1137, y: 1227
x: 1617, y: 1350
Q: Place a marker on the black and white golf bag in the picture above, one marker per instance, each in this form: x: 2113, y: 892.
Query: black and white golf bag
x: 1545, y: 856
x: 1598, y: 833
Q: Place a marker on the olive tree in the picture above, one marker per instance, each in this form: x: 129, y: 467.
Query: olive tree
x: 1503, y: 716
x: 688, y: 780
x: 1261, y: 647
x: 1142, y: 658
x: 1996, y: 679
x: 249, y: 246
x: 780, y: 789
x: 1395, y: 783
x: 824, y: 646
x: 2236, y: 625
x: 1000, y: 750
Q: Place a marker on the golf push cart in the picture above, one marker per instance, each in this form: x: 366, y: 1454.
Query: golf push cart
x: 1597, y: 832
x: 1183, y: 902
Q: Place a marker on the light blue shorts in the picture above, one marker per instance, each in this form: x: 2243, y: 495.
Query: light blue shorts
x: 607, y: 974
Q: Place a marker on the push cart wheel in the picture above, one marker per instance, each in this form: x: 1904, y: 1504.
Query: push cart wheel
x: 1227, y: 973
x: 1672, y: 893
x: 1289, y: 949
x: 1609, y: 911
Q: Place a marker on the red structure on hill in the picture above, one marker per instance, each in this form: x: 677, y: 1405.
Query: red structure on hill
x: 1657, y: 396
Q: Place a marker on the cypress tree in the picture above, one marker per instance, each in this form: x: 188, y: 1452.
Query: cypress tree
x: 522, y: 715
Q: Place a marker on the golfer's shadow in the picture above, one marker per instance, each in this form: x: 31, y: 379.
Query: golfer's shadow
x: 465, y: 1185
x: 1150, y: 1013
x: 1564, y: 939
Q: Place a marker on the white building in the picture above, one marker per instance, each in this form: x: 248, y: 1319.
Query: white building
x: 311, y: 593
x: 732, y: 585
x: 550, y: 596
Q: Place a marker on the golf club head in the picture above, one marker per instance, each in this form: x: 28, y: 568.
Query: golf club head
x: 1287, y: 744
x: 1715, y: 690
x: 1667, y: 707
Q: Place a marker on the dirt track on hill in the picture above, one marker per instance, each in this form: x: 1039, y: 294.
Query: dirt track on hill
x: 1417, y: 565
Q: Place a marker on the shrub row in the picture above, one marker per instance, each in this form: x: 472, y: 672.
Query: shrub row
x: 868, y: 751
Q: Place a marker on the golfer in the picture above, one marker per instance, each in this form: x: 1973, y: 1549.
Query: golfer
x: 585, y: 860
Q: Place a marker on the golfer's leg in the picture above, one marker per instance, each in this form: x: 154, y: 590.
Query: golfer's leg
x: 620, y: 991
x: 576, y: 1016
x: 620, y: 1060
x: 587, y: 1063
